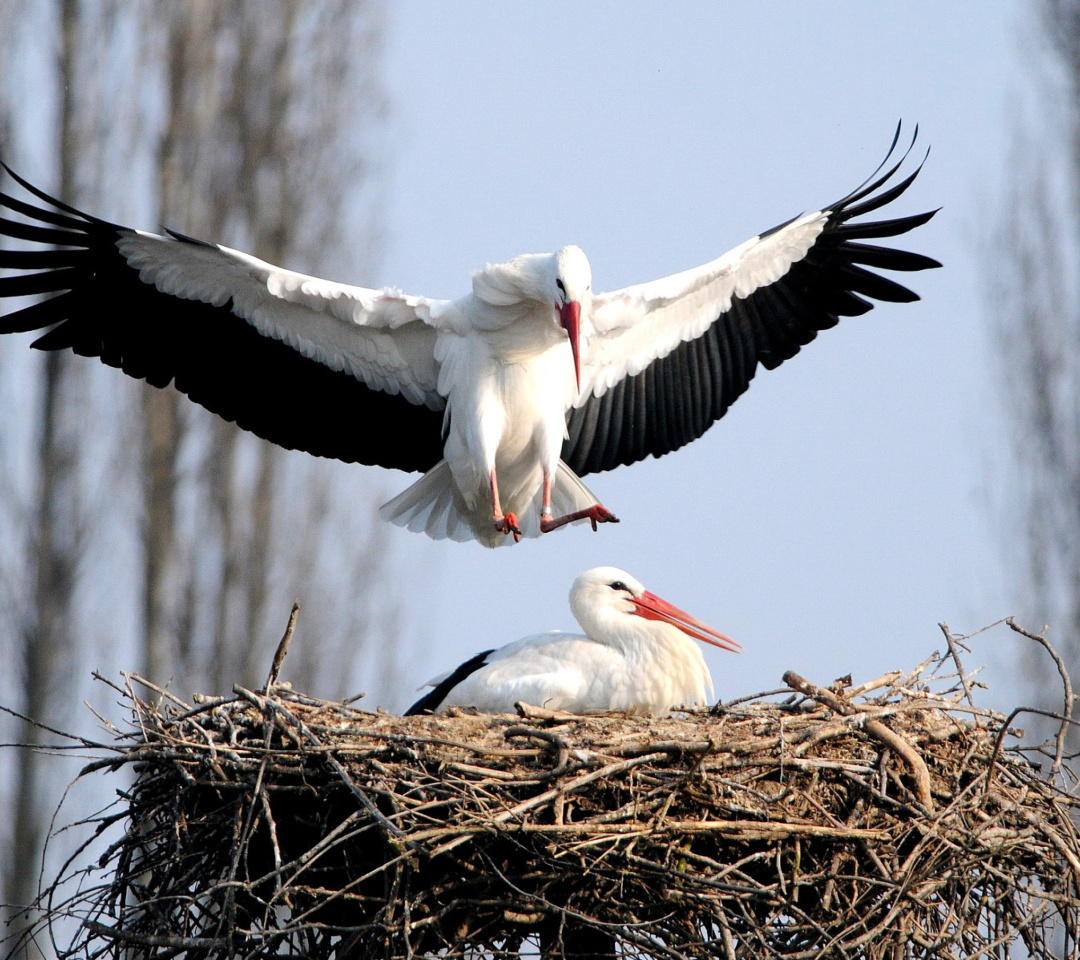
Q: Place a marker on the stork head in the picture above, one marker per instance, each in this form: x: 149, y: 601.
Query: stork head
x: 571, y: 283
x: 606, y: 601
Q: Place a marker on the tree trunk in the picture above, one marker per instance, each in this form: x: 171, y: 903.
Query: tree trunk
x: 54, y: 551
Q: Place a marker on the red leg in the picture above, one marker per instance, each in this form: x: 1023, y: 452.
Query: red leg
x: 504, y: 523
x: 545, y: 512
x: 594, y: 514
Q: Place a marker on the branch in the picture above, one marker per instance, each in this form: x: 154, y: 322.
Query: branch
x: 282, y: 648
x: 1066, y: 683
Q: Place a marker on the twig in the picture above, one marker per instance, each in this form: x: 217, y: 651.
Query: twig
x: 885, y: 680
x: 1066, y: 683
x: 875, y: 728
x: 563, y: 790
x: 334, y: 763
x: 282, y: 648
x: 160, y: 691
x: 953, y: 644
x: 741, y: 829
x: 1004, y: 729
x: 528, y: 711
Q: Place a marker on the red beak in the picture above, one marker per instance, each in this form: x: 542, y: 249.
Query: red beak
x: 651, y: 607
x: 570, y: 319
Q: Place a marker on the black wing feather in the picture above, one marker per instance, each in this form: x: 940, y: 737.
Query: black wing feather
x: 430, y: 702
x: 32, y: 232
x: 101, y: 308
x: 679, y: 396
x: 885, y: 258
x: 34, y: 259
x: 888, y: 228
x: 874, y: 285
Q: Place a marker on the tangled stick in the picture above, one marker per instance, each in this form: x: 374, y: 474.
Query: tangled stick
x: 876, y: 729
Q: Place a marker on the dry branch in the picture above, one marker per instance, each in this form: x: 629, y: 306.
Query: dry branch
x: 848, y: 825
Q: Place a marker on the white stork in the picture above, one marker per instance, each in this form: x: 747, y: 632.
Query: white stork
x: 504, y: 397
x: 635, y: 656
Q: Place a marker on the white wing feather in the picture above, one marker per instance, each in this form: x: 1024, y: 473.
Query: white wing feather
x: 383, y: 338
x: 633, y: 326
x: 554, y: 670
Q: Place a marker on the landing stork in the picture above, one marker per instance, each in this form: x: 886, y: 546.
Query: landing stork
x: 504, y: 397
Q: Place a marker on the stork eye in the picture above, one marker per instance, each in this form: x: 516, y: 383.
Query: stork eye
x: 619, y: 585
x: 560, y: 285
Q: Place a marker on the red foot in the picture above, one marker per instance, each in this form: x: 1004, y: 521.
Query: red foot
x: 595, y: 514
x: 599, y: 514
x: 509, y: 524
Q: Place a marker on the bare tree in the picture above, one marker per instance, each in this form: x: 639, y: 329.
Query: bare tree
x: 257, y: 122
x: 1035, y: 282
x: 54, y: 549
x: 256, y: 151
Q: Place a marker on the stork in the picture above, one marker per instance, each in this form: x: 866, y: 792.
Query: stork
x: 635, y: 656
x: 504, y: 397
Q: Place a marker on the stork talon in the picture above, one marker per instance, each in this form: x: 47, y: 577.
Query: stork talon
x: 599, y: 514
x: 509, y: 524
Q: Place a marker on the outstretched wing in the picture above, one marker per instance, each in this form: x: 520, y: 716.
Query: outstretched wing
x: 666, y: 359
x: 336, y: 370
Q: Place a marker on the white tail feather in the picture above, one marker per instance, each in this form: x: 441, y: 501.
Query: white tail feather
x: 434, y: 506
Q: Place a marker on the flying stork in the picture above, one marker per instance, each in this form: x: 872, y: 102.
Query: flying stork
x: 635, y: 656
x: 504, y: 397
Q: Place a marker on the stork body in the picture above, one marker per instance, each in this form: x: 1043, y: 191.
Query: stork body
x: 636, y: 655
x: 504, y: 397
x: 507, y: 372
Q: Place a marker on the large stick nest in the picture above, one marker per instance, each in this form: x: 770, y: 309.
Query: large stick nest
x: 881, y: 821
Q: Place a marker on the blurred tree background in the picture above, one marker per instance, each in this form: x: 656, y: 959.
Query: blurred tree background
x: 140, y: 532
x: 1034, y: 284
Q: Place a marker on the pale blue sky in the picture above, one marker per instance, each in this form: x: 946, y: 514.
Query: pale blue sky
x: 843, y: 506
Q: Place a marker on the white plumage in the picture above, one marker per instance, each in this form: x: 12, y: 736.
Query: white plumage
x: 636, y: 655
x: 503, y: 397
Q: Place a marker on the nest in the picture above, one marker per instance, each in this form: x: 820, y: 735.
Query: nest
x: 880, y: 821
